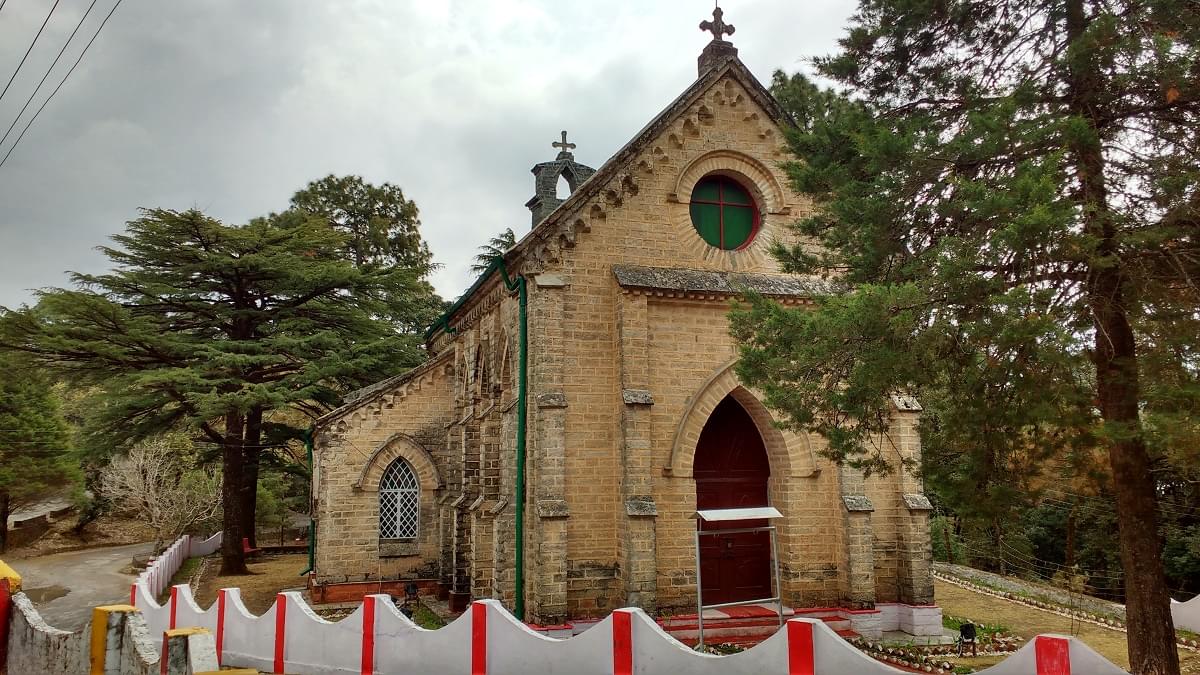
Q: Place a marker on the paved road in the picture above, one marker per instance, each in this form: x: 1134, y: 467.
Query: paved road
x: 65, y: 586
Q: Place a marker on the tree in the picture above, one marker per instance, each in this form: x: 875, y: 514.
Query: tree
x: 206, y: 326
x: 158, y: 483
x: 381, y: 226
x: 1010, y: 189
x: 495, y: 248
x: 34, y: 440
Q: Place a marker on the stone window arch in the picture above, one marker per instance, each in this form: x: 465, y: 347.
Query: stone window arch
x: 399, y: 502
x: 772, y: 212
x: 402, y: 450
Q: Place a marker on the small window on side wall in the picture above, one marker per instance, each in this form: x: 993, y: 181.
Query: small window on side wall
x: 399, y: 502
x: 724, y: 213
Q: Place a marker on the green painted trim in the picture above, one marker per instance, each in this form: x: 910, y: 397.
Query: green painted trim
x: 443, y: 321
x: 520, y: 285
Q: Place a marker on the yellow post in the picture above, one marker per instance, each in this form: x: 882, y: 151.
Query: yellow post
x: 14, y: 579
x: 99, y: 645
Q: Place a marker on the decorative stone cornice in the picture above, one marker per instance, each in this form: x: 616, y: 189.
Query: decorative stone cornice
x: 708, y: 284
x: 857, y: 503
x: 637, y: 397
x: 552, y: 399
x: 917, y: 502
x: 553, y: 508
x: 641, y: 506
x: 906, y: 403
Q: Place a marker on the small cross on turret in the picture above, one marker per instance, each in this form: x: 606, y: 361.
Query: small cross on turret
x: 565, y: 152
x: 717, y: 26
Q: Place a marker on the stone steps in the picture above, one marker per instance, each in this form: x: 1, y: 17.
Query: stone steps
x: 745, y: 626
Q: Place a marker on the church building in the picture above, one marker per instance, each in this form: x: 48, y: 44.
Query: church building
x: 580, y: 405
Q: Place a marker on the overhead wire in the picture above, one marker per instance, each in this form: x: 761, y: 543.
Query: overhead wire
x: 48, y: 71
x: 27, y: 51
x: 60, y: 84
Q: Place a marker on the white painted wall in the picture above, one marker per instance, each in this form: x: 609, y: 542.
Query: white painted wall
x: 314, y: 646
x: 36, y: 647
x: 1186, y: 615
x: 158, y: 574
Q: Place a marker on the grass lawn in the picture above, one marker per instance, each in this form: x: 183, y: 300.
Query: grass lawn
x: 183, y: 576
x: 272, y: 574
x: 269, y: 574
x: 1027, y: 622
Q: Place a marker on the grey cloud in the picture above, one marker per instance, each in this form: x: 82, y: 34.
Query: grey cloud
x: 230, y: 106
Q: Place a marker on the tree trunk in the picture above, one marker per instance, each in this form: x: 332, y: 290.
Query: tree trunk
x: 4, y: 509
x: 249, y: 493
x: 233, y: 559
x: 999, y: 543
x: 1070, y: 556
x: 946, y: 537
x: 1151, y: 634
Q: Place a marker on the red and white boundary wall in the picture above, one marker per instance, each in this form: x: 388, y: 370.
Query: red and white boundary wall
x: 488, y: 640
x: 116, y: 641
x: 161, y: 569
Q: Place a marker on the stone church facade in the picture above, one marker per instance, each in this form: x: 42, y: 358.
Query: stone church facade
x: 634, y: 413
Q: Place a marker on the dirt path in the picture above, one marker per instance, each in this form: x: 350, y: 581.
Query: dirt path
x: 1028, y: 621
x: 66, y: 586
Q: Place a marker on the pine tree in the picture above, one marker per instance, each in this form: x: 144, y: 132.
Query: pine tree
x: 1010, y: 188
x: 34, y: 440
x: 382, y: 227
x: 495, y: 248
x: 208, y: 326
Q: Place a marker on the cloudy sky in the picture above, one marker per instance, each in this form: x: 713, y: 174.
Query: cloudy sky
x: 232, y: 105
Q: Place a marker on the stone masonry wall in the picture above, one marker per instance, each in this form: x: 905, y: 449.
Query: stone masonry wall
x: 620, y: 383
x: 647, y: 222
x: 348, y: 543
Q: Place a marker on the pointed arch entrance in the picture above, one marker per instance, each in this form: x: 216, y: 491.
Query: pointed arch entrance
x: 731, y: 470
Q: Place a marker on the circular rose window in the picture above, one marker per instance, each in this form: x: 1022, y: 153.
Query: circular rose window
x: 724, y: 213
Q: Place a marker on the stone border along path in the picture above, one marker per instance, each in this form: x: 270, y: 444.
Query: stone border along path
x: 1052, y: 608
x: 1056, y: 595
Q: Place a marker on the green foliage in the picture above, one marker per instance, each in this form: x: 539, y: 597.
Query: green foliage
x: 200, y: 319
x: 205, y: 326
x: 1012, y: 192
x: 495, y: 248
x: 379, y: 225
x: 939, y: 536
x: 985, y: 631
x: 35, y: 457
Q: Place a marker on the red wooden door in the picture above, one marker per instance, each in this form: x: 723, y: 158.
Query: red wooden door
x: 731, y: 471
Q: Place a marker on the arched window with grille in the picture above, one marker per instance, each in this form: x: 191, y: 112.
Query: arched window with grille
x: 399, y: 502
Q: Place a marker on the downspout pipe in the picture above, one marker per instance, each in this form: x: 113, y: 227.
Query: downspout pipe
x: 312, y: 524
x: 521, y: 287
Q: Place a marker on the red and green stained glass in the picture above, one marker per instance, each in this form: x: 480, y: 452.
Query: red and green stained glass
x: 724, y: 213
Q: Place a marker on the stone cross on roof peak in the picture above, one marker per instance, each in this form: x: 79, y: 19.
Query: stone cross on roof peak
x: 717, y: 26
x: 565, y: 152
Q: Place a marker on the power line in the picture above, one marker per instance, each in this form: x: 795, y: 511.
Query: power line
x: 60, y: 84
x: 31, y: 44
x: 2, y: 4
x: 1099, y: 505
x: 48, y: 71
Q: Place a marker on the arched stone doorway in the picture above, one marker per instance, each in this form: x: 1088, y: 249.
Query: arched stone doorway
x: 731, y: 470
